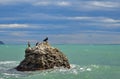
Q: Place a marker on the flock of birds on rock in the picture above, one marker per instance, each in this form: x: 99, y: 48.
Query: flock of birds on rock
x: 45, y: 40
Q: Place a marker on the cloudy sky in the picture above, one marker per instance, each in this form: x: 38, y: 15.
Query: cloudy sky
x: 63, y: 21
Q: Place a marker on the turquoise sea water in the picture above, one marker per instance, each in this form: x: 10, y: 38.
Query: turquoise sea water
x: 87, y: 62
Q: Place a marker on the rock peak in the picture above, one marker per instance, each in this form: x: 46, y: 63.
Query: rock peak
x: 42, y: 56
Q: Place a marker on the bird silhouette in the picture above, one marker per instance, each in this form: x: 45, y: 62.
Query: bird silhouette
x: 37, y: 43
x: 28, y: 44
x: 45, y: 39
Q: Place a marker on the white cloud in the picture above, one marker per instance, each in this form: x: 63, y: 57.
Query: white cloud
x: 98, y: 19
x: 81, y: 5
x: 71, y: 4
x: 96, y: 5
x: 110, y: 20
x: 52, y: 3
x: 13, y: 25
x: 99, y: 22
x: 42, y: 3
x: 63, y: 3
x: 37, y: 2
x: 75, y: 18
x: 105, y: 4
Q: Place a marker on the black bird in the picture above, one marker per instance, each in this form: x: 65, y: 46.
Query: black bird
x: 28, y: 44
x: 37, y: 43
x: 45, y: 39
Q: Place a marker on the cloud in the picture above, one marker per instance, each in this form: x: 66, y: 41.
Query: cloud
x: 95, y: 19
x: 13, y: 25
x: 43, y: 3
x: 63, y: 3
x: 104, y: 4
x: 81, y: 5
x: 76, y: 21
x: 41, y: 16
x: 65, y: 22
x: 44, y: 16
x: 52, y: 3
x: 95, y: 5
x: 36, y: 2
x: 92, y: 5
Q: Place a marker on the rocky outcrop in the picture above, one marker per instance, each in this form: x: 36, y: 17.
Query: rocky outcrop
x: 1, y: 43
x: 42, y: 57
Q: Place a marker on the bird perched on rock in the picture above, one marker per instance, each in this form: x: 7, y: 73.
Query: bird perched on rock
x: 45, y: 39
x: 28, y: 44
x: 37, y: 43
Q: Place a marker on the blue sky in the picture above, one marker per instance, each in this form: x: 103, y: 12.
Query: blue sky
x: 63, y: 21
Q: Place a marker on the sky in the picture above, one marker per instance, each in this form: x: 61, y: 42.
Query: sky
x: 62, y: 21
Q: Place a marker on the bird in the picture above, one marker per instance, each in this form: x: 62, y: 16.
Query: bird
x: 28, y: 44
x: 45, y: 39
x: 37, y: 43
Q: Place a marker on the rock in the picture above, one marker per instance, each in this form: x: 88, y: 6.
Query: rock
x: 42, y: 57
x: 1, y: 43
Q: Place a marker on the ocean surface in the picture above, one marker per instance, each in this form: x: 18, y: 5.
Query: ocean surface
x: 87, y: 62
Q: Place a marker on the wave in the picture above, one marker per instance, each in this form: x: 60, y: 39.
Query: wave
x: 76, y: 69
x: 7, y: 70
x: 7, y: 62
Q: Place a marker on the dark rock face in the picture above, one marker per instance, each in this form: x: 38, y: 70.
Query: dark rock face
x: 1, y: 43
x: 42, y: 57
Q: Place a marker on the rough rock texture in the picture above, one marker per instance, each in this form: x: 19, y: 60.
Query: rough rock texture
x: 42, y: 57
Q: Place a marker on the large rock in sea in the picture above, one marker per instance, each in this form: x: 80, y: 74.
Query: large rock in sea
x: 42, y: 57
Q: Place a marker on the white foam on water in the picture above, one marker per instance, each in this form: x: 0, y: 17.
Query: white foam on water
x: 75, y: 72
x: 7, y: 69
x: 5, y: 65
x: 89, y: 69
x: 95, y: 66
x: 7, y: 62
x: 82, y: 69
x: 7, y: 72
x: 11, y: 75
x: 75, y: 69
x: 78, y: 69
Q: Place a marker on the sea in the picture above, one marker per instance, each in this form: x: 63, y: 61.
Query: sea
x: 86, y: 61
